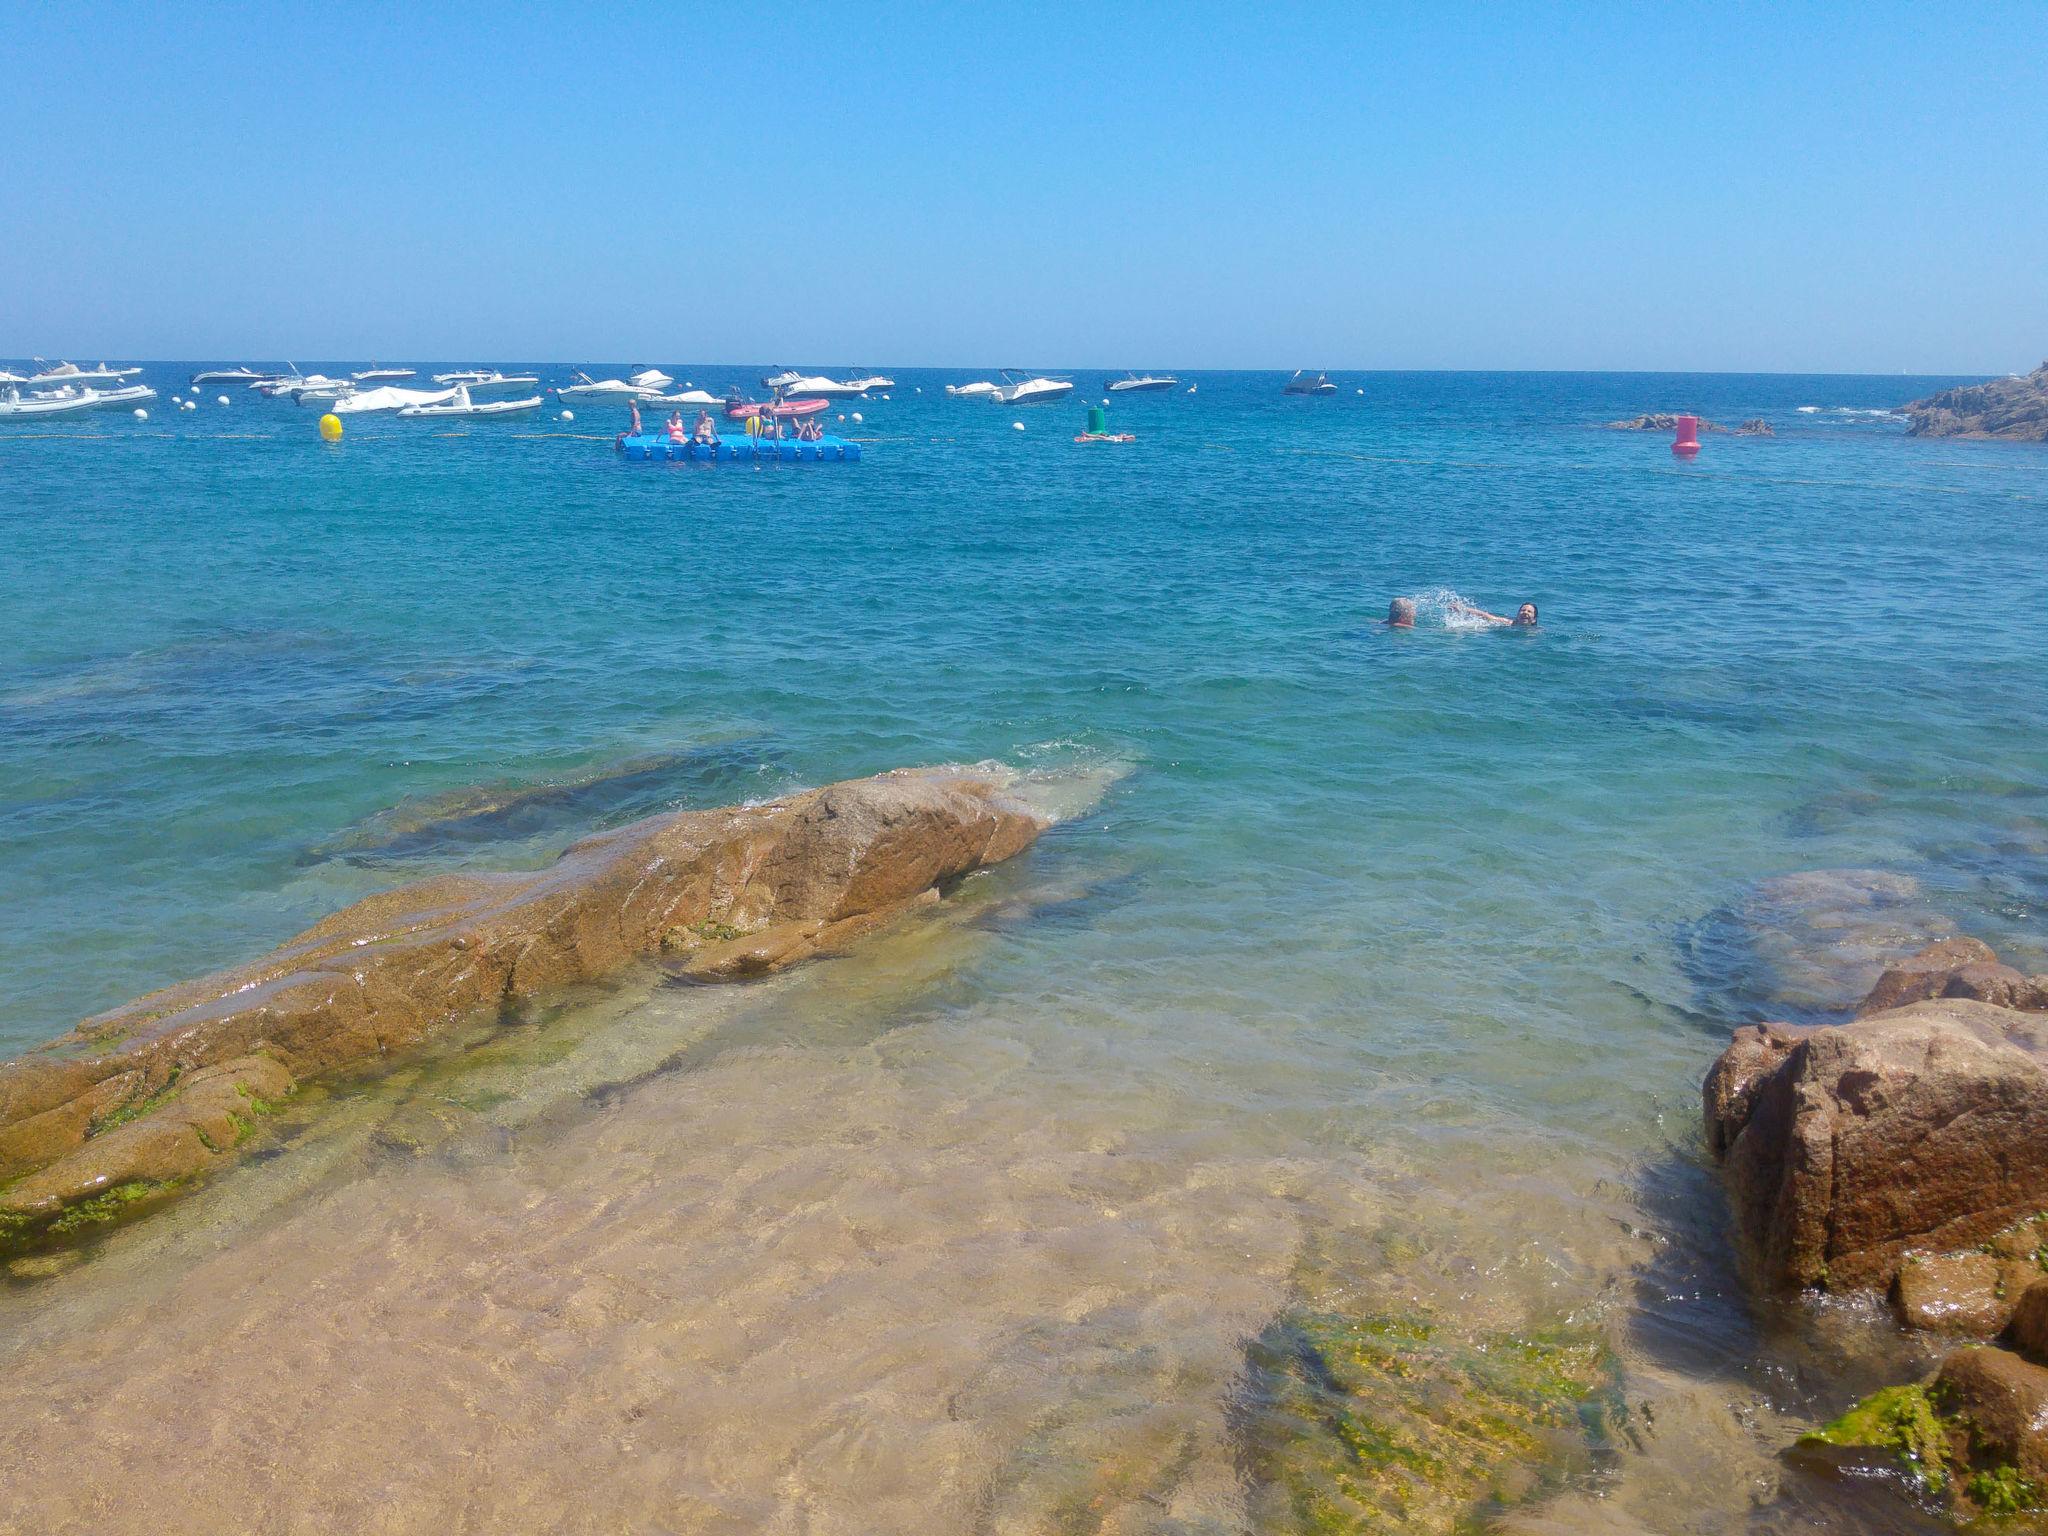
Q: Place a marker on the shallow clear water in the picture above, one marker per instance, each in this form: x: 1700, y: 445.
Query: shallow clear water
x: 1388, y: 970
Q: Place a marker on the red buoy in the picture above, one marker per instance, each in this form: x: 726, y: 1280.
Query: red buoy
x: 1687, y: 444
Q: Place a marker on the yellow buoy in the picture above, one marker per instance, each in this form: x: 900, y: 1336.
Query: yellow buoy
x: 330, y: 427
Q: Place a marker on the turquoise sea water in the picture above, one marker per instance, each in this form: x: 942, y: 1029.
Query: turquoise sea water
x: 1468, y: 905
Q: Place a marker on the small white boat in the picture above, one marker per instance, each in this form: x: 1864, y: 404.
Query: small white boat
x: 229, y: 376
x: 1131, y: 382
x: 975, y: 390
x: 375, y: 375
x: 54, y: 402
x: 486, y: 378
x: 817, y: 386
x: 317, y: 389
x: 388, y: 397
x: 586, y: 387
x: 875, y: 381
x: 462, y: 405
x: 71, y: 373
x: 687, y: 397
x: 1033, y: 391
x: 650, y: 378
x: 463, y: 376
x: 1302, y: 384
x: 781, y: 380
x: 127, y: 395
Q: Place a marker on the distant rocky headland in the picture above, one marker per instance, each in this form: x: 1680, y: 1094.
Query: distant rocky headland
x: 2015, y: 409
x: 1906, y: 1153
x: 135, y: 1104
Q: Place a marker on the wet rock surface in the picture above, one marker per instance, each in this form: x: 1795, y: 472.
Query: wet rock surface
x: 148, y: 1095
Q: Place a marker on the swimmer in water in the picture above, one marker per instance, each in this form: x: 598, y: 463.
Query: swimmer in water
x: 1401, y: 613
x: 1525, y: 616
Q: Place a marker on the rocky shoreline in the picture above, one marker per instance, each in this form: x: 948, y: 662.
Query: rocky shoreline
x: 134, y: 1104
x: 2012, y: 409
x: 1906, y: 1153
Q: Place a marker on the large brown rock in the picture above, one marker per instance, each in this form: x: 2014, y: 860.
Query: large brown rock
x: 2002, y: 1403
x: 1922, y: 1128
x: 1925, y: 974
x: 781, y: 882
x: 1729, y: 1092
x: 2030, y: 1321
x: 1972, y: 1293
x: 2014, y: 408
x: 2001, y: 985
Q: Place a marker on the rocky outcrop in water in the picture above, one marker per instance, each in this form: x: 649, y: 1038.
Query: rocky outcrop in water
x: 2015, y: 409
x: 1756, y: 426
x: 133, y: 1102
x: 1657, y: 421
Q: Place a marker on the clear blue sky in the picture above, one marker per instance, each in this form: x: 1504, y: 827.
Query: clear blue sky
x: 1779, y: 187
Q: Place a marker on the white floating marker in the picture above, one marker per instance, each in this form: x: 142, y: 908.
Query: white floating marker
x: 223, y: 399
x: 568, y: 415
x: 141, y: 414
x: 856, y: 415
x: 1017, y: 426
x: 1361, y: 391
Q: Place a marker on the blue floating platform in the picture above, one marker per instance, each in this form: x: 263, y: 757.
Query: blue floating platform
x: 738, y: 448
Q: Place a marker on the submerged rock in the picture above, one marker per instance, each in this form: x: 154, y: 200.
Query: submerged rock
x: 1400, y: 1423
x: 1756, y: 426
x: 462, y: 819
x: 2013, y: 408
x: 146, y: 1096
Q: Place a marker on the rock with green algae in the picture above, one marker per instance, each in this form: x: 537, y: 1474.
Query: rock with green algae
x: 1376, y: 1423
x: 1902, y: 1425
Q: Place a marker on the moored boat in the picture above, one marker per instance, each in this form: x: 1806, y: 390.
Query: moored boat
x: 1302, y: 384
x: 974, y: 391
x: 1036, y: 390
x: 375, y: 375
x: 586, y: 387
x: 1132, y: 382
x: 56, y: 402
x: 71, y: 373
x: 388, y: 397
x: 830, y: 389
x: 238, y: 375
x: 461, y: 405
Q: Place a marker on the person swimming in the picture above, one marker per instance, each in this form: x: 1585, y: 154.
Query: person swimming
x: 1525, y: 616
x: 1401, y: 613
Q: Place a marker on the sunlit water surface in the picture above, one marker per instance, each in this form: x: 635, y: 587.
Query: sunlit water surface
x: 1379, y: 982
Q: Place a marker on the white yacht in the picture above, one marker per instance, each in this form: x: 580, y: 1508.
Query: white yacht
x: 650, y: 378
x: 458, y: 403
x: 487, y: 378
x: 71, y: 373
x: 1302, y: 384
x: 687, y: 397
x: 387, y: 397
x: 815, y: 386
x: 1032, y: 391
x: 376, y: 375
x: 975, y: 390
x: 781, y: 380
x: 875, y: 381
x: 1132, y: 382
x: 242, y: 375
x: 586, y: 387
x: 53, y: 402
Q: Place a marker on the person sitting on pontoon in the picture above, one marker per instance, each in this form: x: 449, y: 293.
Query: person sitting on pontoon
x: 676, y: 434
x: 809, y: 429
x: 704, y: 431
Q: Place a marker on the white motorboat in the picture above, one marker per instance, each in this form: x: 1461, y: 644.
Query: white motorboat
x: 1302, y: 384
x: 781, y: 380
x: 651, y: 378
x: 1131, y: 382
x: 461, y: 405
x: 687, y: 397
x: 316, y: 389
x: 586, y: 387
x: 1033, y: 391
x: 486, y: 378
x: 229, y: 376
x: 376, y: 375
x: 975, y: 390
x: 875, y: 381
x: 71, y: 373
x: 389, y: 397
x: 127, y: 395
x: 53, y: 402
x: 817, y: 386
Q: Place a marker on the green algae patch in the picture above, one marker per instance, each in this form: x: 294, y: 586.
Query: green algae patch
x: 107, y: 1206
x: 2003, y: 1491
x: 136, y: 1108
x: 1388, y: 1422
x: 1904, y: 1423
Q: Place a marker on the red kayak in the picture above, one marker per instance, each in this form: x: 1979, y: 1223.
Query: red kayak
x: 740, y: 410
